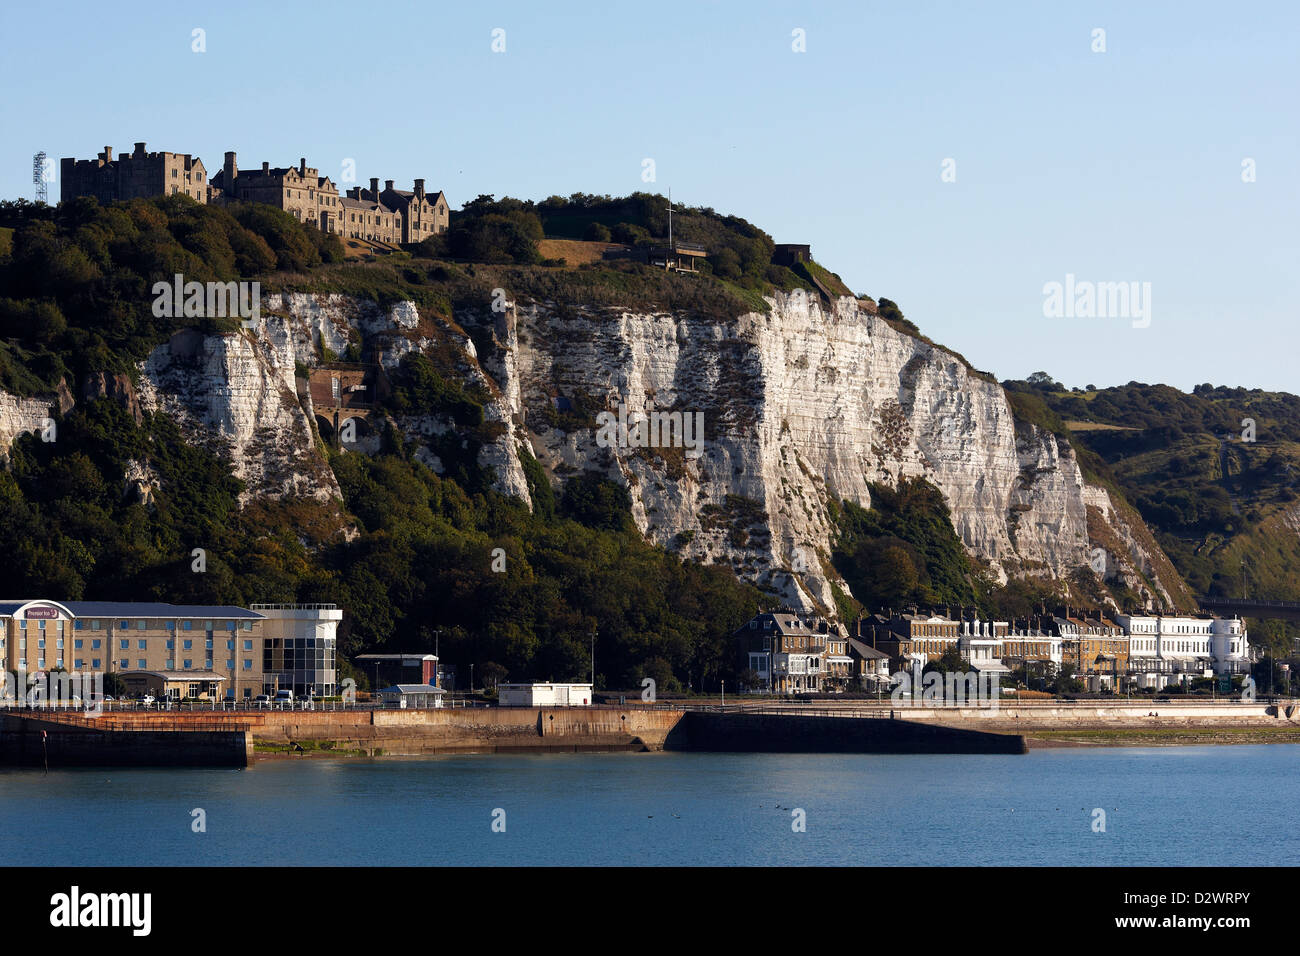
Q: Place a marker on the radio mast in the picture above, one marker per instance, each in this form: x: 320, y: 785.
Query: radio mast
x: 38, y: 177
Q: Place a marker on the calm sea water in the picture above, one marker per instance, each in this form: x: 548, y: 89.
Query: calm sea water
x: 1228, y: 805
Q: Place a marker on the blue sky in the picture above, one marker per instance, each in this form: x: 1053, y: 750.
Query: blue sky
x: 1117, y: 166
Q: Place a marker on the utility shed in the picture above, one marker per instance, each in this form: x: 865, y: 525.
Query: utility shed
x: 544, y: 695
x: 413, y: 696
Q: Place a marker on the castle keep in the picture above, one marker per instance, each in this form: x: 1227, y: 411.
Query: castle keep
x: 135, y: 175
x: 389, y: 216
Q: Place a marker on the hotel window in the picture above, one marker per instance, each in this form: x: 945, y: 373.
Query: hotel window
x: 230, y: 625
x: 41, y: 625
x: 40, y: 642
x: 80, y: 662
x: 94, y: 644
x: 96, y: 625
x: 140, y: 663
x: 124, y: 625
x: 248, y: 645
x: 208, y: 663
x: 171, y: 665
x: 78, y: 625
x: 96, y: 663
x: 189, y: 645
x: 140, y: 625
x: 171, y: 643
x: 124, y: 663
x: 208, y: 644
x: 207, y: 625
x: 187, y: 625
x: 230, y: 645
x: 142, y: 645
x: 248, y: 664
x: 78, y: 643
x: 22, y: 625
x: 171, y: 625
x: 59, y: 643
x: 189, y: 663
x: 123, y: 644
x: 230, y: 664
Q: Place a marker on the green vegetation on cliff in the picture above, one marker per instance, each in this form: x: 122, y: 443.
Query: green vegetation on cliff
x: 75, y: 299
x: 1225, y: 508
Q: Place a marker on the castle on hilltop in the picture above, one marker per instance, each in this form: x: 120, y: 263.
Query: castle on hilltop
x: 388, y: 216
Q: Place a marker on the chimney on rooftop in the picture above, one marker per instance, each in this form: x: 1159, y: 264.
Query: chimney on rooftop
x: 139, y: 149
x: 374, y: 188
x: 231, y: 170
x: 419, y: 188
x: 107, y: 154
x: 302, y: 166
x: 388, y: 185
x: 266, y: 167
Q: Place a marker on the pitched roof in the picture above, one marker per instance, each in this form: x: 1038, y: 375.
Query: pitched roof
x: 867, y: 652
x: 349, y: 203
x: 412, y: 689
x: 125, y: 609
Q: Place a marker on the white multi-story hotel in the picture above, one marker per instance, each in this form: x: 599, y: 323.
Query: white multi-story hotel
x: 1164, y: 650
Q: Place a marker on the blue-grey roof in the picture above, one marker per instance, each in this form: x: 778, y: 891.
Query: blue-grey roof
x: 412, y: 689
x: 125, y: 609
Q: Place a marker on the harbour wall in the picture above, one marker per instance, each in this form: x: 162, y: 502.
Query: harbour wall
x: 29, y: 742
x: 219, y: 738
x: 787, y: 733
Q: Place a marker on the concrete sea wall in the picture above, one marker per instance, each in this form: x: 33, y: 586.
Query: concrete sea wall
x: 28, y: 742
x: 784, y: 733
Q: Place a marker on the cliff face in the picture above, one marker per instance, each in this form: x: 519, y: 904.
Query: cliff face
x: 19, y: 415
x: 800, y: 405
x: 240, y: 391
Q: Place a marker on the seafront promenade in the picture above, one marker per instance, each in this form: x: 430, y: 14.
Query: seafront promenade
x: 144, y: 737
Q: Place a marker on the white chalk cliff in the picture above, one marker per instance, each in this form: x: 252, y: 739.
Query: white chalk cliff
x: 802, y: 404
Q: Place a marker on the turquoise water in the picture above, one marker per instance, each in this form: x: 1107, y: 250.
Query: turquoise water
x: 1228, y: 805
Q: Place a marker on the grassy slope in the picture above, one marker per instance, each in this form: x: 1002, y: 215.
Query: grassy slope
x: 1223, y: 509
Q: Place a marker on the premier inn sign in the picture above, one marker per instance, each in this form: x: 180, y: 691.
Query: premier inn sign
x: 41, y: 613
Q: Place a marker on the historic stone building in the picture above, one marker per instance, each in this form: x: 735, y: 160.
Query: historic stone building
x: 389, y: 215
x: 419, y: 214
x: 373, y: 221
x: 299, y: 190
x: 134, y: 175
